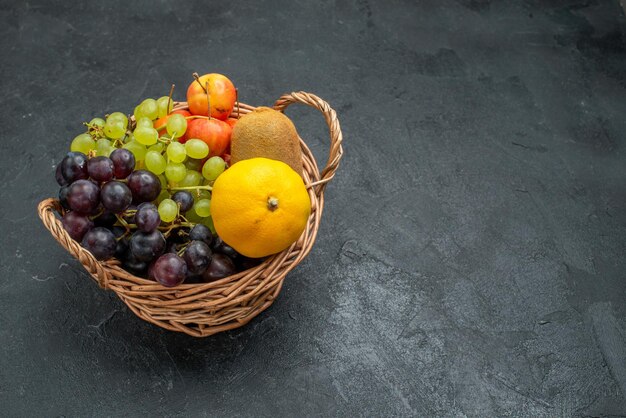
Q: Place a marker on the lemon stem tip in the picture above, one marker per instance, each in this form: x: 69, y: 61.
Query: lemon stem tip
x: 272, y: 203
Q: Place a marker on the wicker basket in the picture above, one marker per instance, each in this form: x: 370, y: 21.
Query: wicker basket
x: 204, y: 309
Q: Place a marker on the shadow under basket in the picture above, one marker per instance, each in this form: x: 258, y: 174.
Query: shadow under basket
x: 204, y: 309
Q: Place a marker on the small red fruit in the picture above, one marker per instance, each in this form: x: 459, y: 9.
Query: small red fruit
x: 214, y: 132
x: 222, y: 95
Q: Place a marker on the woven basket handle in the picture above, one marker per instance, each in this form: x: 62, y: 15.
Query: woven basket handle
x: 46, y: 211
x: 336, y: 150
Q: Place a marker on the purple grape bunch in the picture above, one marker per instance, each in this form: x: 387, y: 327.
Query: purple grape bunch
x: 111, y: 209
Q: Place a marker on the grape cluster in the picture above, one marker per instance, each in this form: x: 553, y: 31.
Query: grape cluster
x: 139, y: 190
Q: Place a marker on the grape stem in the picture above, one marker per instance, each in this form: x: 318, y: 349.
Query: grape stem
x: 169, y: 99
x: 205, y: 187
x: 167, y: 229
x: 125, y: 224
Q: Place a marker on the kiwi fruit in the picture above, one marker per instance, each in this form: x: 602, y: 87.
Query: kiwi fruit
x: 267, y: 133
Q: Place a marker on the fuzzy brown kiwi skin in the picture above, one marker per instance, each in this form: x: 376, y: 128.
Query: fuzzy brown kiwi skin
x: 267, y: 133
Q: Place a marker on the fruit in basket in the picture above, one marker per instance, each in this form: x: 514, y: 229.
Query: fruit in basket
x: 170, y: 270
x: 100, y: 242
x: 115, y: 196
x: 150, y: 192
x: 213, y: 132
x: 100, y: 168
x: 123, y: 163
x: 213, y: 167
x: 221, y: 266
x: 146, y: 246
x: 74, y: 167
x: 144, y: 185
x: 161, y: 123
x: 267, y: 133
x: 260, y: 206
x: 222, y: 96
x: 198, y: 256
x: 83, y: 196
x: 147, y: 217
x: 76, y: 225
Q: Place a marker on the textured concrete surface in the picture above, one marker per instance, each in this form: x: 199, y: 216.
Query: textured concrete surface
x: 471, y: 256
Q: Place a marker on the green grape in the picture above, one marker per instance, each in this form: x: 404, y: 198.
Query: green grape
x: 137, y: 113
x: 196, y: 148
x: 155, y: 162
x: 83, y: 143
x: 176, y: 125
x: 176, y: 152
x: 201, y: 194
x: 120, y: 117
x: 192, y: 178
x: 193, y: 164
x: 149, y: 109
x: 162, y: 196
x: 114, y: 128
x: 213, y: 167
x: 103, y: 147
x: 97, y: 122
x: 138, y: 150
x: 158, y: 147
x: 175, y: 171
x: 146, y: 136
x: 203, y: 208
x: 168, y: 210
x: 192, y: 216
x: 144, y: 122
x: 162, y: 104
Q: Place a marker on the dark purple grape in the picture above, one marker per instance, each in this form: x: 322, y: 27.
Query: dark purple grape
x: 229, y: 251
x: 201, y: 233
x: 144, y: 185
x: 198, y: 257
x: 123, y: 163
x: 133, y: 265
x: 105, y: 219
x: 63, y: 191
x: 116, y: 196
x: 100, y: 242
x: 76, y: 225
x: 170, y: 270
x: 121, y: 249
x: 58, y: 175
x: 146, y: 246
x: 172, y: 247
x: 100, y: 168
x: 221, y: 266
x: 244, y: 263
x: 219, y: 246
x: 83, y: 196
x: 150, y: 272
x: 74, y: 167
x: 147, y: 217
x: 184, y: 199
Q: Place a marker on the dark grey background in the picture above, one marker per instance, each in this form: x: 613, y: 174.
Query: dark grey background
x: 471, y: 255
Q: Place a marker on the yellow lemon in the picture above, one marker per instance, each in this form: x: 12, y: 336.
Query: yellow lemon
x: 259, y: 206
